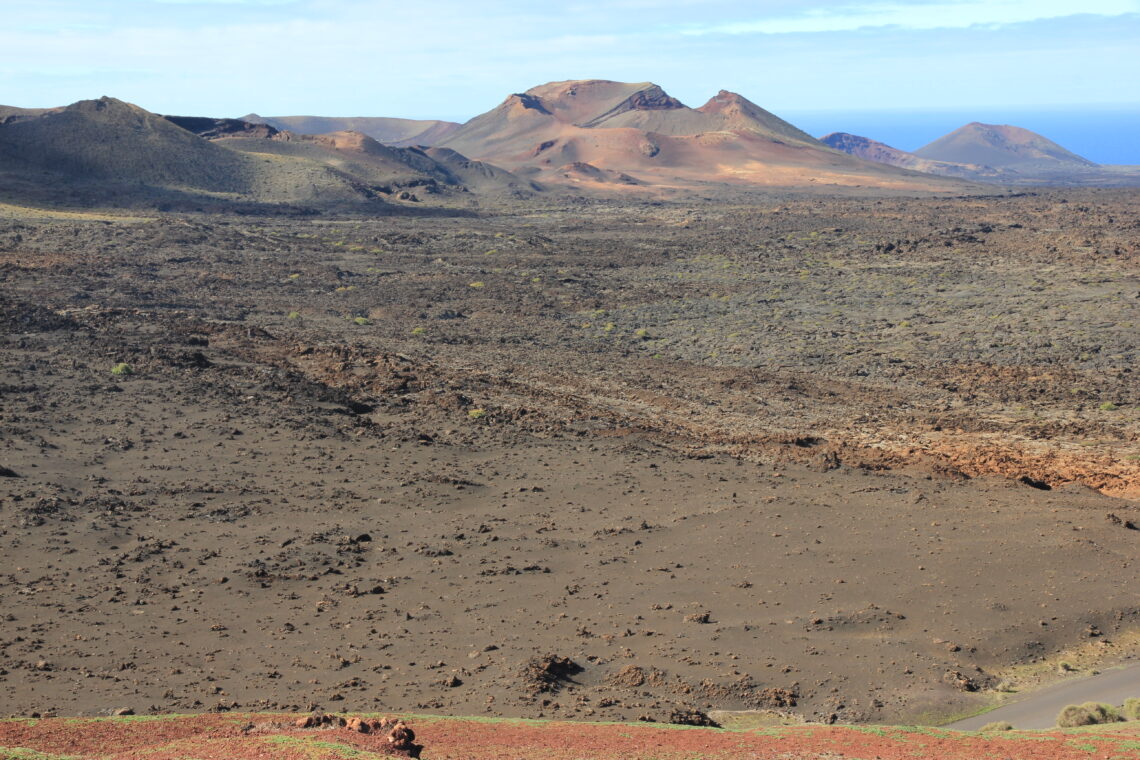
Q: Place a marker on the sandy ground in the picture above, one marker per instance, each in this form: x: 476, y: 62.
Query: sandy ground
x: 507, y: 513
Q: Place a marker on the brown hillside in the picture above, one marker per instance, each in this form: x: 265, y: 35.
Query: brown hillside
x: 365, y: 164
x: 1000, y: 146
x: 480, y: 176
x: 397, y: 132
x: 112, y: 140
x: 15, y: 113
x: 873, y: 150
x: 640, y: 130
x: 740, y: 113
x: 107, y: 150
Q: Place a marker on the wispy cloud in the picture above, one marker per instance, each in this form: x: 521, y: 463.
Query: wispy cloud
x: 915, y: 16
x: 455, y: 58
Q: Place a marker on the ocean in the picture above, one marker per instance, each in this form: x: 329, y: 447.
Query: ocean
x: 1103, y: 134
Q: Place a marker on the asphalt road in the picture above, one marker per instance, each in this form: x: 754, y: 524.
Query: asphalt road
x: 1039, y: 709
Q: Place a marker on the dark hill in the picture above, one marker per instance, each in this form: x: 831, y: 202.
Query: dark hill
x: 362, y: 160
x: 396, y: 132
x: 1002, y: 146
x: 873, y: 150
x: 111, y: 140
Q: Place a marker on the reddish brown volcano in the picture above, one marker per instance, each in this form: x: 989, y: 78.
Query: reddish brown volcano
x: 640, y: 130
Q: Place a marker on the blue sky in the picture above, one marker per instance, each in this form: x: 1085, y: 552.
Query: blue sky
x: 453, y: 59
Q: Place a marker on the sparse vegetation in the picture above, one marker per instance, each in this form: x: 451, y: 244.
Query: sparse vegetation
x: 1087, y: 714
x: 1131, y: 709
x: 449, y: 373
x: 997, y: 725
x: 122, y: 369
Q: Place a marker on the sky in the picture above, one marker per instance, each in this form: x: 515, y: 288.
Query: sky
x: 453, y: 59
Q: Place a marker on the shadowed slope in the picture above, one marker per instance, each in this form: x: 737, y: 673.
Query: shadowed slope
x: 398, y: 132
x: 364, y: 160
x: 113, y: 140
x: 873, y: 150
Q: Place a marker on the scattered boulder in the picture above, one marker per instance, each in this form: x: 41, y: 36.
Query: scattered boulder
x: 399, y: 736
x: 775, y: 697
x: 1112, y: 518
x: 548, y: 673
x: 692, y: 717
x: 960, y: 681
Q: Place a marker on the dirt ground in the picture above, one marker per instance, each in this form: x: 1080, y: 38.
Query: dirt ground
x: 849, y: 459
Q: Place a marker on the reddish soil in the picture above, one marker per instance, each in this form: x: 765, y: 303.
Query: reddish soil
x: 274, y: 737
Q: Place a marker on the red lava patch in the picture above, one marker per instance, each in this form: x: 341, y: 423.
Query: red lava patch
x: 283, y: 737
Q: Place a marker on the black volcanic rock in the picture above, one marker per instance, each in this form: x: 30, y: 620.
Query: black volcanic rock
x: 210, y: 128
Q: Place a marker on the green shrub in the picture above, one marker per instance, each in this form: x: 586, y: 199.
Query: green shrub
x: 1108, y: 406
x: 122, y: 368
x: 419, y: 330
x: 1104, y: 713
x: 1073, y: 716
x: 1087, y: 714
x: 294, y: 315
x: 477, y: 414
x: 998, y: 725
x: 362, y: 321
x: 1131, y: 710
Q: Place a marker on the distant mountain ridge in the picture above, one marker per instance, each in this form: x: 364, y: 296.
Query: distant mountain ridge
x: 379, y: 167
x: 391, y: 131
x: 873, y: 150
x: 590, y: 134
x: 991, y: 153
x: 566, y: 130
x: 1001, y: 146
x: 107, y: 150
